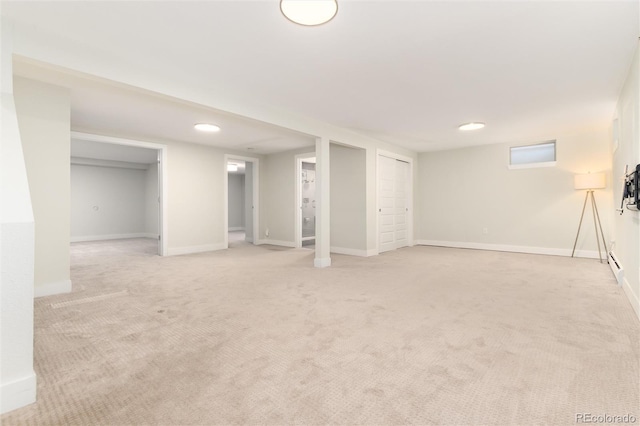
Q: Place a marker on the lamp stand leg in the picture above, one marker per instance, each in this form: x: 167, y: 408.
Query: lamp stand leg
x: 595, y: 223
x: 580, y: 224
x: 595, y: 207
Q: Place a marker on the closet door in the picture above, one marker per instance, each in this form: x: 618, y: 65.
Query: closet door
x: 386, y: 203
x: 401, y: 204
x: 393, y: 204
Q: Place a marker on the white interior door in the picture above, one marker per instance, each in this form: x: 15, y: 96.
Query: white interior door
x: 386, y: 203
x: 393, y: 203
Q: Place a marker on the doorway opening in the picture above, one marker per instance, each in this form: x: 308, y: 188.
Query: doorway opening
x: 241, y: 200
x: 305, y: 207
x: 118, y: 191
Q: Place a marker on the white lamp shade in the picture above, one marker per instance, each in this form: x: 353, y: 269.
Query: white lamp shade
x: 589, y: 181
x: 309, y: 12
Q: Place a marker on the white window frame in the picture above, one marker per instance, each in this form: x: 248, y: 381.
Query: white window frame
x: 534, y: 164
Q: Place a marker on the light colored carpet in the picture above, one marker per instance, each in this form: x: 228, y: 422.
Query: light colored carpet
x: 256, y: 335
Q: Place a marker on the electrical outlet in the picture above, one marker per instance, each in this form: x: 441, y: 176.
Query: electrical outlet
x: 485, y: 230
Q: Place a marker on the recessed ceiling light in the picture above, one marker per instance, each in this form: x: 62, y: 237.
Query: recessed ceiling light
x: 206, y: 127
x: 309, y: 12
x: 471, y: 126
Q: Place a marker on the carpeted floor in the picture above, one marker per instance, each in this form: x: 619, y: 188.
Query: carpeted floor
x: 256, y: 335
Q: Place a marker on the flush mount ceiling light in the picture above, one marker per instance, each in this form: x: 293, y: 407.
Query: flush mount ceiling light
x: 309, y: 12
x: 471, y: 126
x: 232, y: 167
x: 206, y: 127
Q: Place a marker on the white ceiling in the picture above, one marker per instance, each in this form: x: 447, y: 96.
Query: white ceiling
x: 406, y: 72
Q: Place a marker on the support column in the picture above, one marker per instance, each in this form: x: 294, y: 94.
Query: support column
x: 323, y: 210
x: 17, y: 377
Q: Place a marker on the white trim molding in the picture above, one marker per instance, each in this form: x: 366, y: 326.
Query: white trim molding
x: 178, y: 251
x: 53, y: 288
x: 18, y: 393
x: 113, y: 237
x: 236, y: 228
x: 531, y: 165
x: 350, y: 251
x: 509, y: 248
x: 633, y: 299
x: 290, y: 244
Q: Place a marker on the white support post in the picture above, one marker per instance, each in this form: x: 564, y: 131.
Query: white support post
x: 17, y: 377
x: 323, y: 210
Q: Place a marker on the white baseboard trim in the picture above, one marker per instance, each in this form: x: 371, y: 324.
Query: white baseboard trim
x: 508, y: 248
x: 633, y: 298
x: 177, y: 251
x: 349, y: 251
x: 322, y: 262
x: 277, y: 243
x: 18, y: 393
x: 112, y: 237
x: 236, y: 228
x: 372, y: 252
x: 50, y: 289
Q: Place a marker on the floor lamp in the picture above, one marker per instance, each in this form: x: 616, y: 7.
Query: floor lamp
x: 590, y: 181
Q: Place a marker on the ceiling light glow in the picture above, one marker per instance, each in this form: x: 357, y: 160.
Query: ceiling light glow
x: 471, y: 126
x: 309, y: 12
x: 232, y: 167
x: 206, y: 127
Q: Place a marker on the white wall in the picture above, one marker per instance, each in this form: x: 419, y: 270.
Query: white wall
x: 195, y: 197
x: 43, y: 117
x: 195, y: 203
x: 348, y: 200
x: 107, y: 202
x: 627, y: 226
x: 464, y: 193
x: 277, y: 197
x: 151, y: 209
x: 17, y: 377
x: 236, y: 201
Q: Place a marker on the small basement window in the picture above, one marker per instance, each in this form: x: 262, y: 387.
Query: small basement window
x: 538, y: 155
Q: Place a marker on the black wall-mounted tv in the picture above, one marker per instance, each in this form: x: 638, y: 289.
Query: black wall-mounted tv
x: 631, y: 191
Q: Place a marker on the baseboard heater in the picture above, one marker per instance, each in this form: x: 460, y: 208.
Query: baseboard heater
x: 616, y: 267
